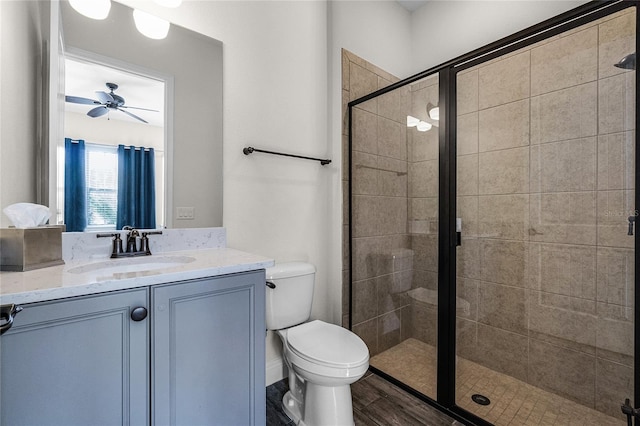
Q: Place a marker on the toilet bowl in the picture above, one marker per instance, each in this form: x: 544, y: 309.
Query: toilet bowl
x: 323, y: 359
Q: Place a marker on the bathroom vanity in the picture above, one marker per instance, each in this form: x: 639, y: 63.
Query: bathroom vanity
x: 178, y: 340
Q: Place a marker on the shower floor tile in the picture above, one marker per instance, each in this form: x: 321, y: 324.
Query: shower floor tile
x: 513, y: 402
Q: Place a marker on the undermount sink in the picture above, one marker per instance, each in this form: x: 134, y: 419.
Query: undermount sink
x: 133, y: 264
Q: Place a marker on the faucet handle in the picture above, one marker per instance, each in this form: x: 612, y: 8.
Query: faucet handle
x: 114, y: 235
x: 145, y: 233
x: 116, y: 248
x: 144, y: 241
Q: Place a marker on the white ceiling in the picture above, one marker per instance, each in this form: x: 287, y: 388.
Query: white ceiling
x: 412, y: 5
x: 83, y: 79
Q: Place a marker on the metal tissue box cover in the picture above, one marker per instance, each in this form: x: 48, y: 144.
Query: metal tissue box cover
x: 24, y: 249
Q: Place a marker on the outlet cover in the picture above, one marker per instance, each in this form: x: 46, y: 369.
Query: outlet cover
x: 185, y: 213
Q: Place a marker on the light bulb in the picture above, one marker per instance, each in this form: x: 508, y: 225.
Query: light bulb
x: 434, y: 113
x: 151, y: 26
x: 94, y: 9
x: 423, y: 126
x: 412, y: 121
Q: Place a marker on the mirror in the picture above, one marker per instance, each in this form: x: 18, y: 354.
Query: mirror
x: 192, y: 63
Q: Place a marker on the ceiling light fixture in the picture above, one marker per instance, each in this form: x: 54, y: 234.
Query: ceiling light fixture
x: 94, y: 9
x: 150, y: 25
x: 433, y: 111
x: 412, y: 121
x: 168, y: 3
x: 423, y: 126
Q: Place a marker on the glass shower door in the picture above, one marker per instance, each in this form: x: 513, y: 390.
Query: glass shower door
x: 545, y: 191
x: 394, y: 225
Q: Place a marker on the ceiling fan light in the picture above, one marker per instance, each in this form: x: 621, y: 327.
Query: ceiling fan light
x: 423, y: 126
x: 168, y: 3
x: 150, y: 25
x: 433, y: 111
x: 94, y: 9
x: 412, y: 121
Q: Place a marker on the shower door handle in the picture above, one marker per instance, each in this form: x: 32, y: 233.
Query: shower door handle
x: 458, y: 231
x: 632, y: 220
x: 630, y: 412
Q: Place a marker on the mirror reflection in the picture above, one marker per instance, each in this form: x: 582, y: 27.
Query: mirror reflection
x: 126, y: 90
x: 120, y: 178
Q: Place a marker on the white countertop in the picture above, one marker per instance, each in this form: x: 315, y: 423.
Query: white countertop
x: 57, y: 282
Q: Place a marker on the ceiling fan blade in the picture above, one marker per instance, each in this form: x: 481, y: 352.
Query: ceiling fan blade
x: 80, y: 100
x: 98, y: 111
x: 144, y: 109
x: 132, y: 115
x: 104, y: 97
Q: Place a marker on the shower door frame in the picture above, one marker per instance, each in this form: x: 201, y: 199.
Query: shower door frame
x: 447, y: 191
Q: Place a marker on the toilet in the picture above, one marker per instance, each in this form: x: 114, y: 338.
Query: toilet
x: 323, y: 359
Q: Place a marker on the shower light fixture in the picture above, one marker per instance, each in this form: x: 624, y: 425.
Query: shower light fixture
x: 628, y: 62
x: 150, y: 25
x: 94, y: 9
x: 412, y: 121
x: 423, y: 126
x: 433, y: 111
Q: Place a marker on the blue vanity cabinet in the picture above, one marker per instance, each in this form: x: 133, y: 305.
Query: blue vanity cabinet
x: 208, y: 338
x: 79, y: 361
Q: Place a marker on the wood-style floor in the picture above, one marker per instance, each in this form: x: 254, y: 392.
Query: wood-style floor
x: 376, y: 402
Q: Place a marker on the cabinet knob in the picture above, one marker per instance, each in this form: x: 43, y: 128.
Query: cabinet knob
x: 139, y: 313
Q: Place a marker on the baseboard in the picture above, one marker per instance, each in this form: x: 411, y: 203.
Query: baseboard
x: 276, y: 370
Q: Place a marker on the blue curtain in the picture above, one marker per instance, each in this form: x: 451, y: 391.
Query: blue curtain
x: 75, y: 192
x: 136, y: 188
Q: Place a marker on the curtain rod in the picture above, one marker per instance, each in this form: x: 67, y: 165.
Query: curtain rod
x: 248, y: 150
x: 137, y: 148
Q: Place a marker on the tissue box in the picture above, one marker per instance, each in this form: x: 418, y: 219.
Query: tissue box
x: 30, y: 248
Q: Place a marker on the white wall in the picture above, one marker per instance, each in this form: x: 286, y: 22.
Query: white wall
x: 443, y: 30
x: 378, y: 31
x: 113, y: 132
x: 19, y: 95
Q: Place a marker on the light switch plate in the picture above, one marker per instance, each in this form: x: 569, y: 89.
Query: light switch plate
x: 185, y: 213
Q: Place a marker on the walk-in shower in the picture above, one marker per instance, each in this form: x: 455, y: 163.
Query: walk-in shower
x: 529, y: 316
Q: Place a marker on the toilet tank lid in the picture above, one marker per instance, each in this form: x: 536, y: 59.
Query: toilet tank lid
x: 289, y: 269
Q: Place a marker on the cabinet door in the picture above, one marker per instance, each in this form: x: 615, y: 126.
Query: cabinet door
x: 79, y: 361
x: 208, y: 351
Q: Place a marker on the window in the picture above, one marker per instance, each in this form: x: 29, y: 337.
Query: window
x: 102, y: 185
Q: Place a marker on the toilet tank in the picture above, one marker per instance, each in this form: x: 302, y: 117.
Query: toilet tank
x: 289, y: 303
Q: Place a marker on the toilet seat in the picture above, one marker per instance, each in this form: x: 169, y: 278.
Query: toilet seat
x: 327, y: 345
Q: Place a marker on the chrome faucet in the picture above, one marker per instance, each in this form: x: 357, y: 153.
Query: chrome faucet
x: 132, y: 248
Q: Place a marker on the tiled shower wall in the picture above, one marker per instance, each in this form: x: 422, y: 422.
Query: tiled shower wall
x: 545, y: 142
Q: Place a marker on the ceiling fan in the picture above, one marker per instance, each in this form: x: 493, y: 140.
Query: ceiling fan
x: 106, y: 102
